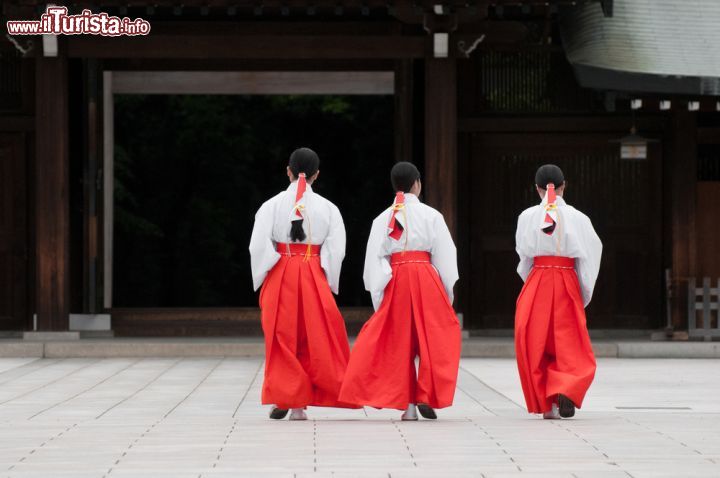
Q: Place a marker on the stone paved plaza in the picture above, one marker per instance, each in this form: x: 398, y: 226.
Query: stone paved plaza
x: 201, y: 418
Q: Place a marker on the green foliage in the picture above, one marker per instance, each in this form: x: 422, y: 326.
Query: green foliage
x: 192, y: 170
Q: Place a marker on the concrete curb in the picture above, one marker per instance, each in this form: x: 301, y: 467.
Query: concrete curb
x: 479, y: 348
x: 17, y: 349
x: 472, y: 348
x: 103, y: 349
x: 693, y: 350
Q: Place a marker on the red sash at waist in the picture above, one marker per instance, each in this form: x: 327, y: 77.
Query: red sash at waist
x: 554, y: 262
x: 297, y: 249
x: 409, y: 256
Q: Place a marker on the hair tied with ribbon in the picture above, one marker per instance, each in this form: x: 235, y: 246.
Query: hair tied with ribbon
x: 298, y: 209
x: 301, y: 187
x: 550, y: 217
x: 395, y: 229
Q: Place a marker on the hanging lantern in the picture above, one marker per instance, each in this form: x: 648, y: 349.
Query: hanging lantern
x: 633, y: 146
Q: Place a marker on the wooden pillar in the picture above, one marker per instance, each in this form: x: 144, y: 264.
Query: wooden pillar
x: 440, y: 180
x: 52, y: 215
x: 404, y: 110
x: 92, y: 96
x: 681, y: 179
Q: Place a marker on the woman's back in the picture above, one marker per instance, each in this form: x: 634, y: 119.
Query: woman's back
x: 318, y: 214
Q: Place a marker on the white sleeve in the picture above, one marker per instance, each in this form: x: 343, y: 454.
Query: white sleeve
x: 377, y: 272
x: 588, y: 265
x: 263, y: 255
x: 332, y: 252
x: 526, y: 263
x: 444, y: 256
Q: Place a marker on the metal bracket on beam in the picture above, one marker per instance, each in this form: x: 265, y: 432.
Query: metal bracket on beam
x: 465, y: 50
x: 50, y: 45
x: 441, y: 45
x: 440, y: 9
x: 24, y: 50
x: 440, y: 27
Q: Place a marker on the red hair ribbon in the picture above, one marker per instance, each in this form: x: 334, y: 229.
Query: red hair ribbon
x: 302, y: 185
x: 395, y: 229
x: 550, y: 219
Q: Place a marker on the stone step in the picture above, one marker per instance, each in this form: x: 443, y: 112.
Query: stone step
x: 254, y: 347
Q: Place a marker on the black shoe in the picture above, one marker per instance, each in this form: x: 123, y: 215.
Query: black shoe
x: 427, y: 411
x: 278, y: 413
x: 566, y: 406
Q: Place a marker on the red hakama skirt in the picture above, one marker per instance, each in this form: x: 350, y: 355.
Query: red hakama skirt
x: 414, y: 319
x: 306, y: 344
x: 553, y: 349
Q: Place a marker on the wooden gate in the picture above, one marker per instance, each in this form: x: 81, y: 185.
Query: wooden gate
x: 621, y: 197
x: 13, y: 232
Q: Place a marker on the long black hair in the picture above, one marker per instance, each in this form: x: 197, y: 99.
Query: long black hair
x: 549, y: 174
x: 302, y: 160
x: 403, y: 175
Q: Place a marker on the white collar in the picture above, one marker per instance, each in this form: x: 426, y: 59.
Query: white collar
x: 411, y: 198
x: 558, y: 200
x: 293, y: 186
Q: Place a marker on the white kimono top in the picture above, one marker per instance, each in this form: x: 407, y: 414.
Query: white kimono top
x: 573, y: 237
x: 425, y: 230
x: 322, y: 224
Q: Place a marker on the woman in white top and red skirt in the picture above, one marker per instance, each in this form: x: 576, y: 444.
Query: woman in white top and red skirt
x: 410, y: 270
x: 559, y: 262
x: 297, y: 248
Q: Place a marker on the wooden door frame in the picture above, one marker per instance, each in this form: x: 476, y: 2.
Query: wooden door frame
x: 507, y: 127
x: 401, y: 84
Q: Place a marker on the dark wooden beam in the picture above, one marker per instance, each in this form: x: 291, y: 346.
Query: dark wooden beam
x: 681, y: 185
x: 559, y: 124
x: 52, y: 216
x: 92, y: 225
x: 17, y: 123
x: 238, y: 64
x: 254, y: 82
x: 708, y: 135
x: 250, y: 47
x: 246, y: 28
x: 404, y: 110
x: 441, y: 137
x: 207, y: 322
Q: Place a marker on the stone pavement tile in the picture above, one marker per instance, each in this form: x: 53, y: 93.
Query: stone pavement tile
x: 674, y: 472
x: 268, y: 468
x: 50, y: 473
x: 9, y: 367
x: 326, y: 474
x: 153, y: 473
x: 435, y: 474
x: 15, y: 368
x: 646, y: 382
x: 525, y: 474
x: 113, y: 391
x: 351, y: 474
x: 247, y: 474
x: 202, y: 417
x: 569, y: 466
x: 25, y: 386
x: 601, y: 474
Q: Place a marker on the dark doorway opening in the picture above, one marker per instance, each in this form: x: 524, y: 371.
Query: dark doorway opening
x: 13, y: 232
x: 191, y: 170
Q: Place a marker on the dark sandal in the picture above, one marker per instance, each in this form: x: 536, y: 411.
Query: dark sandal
x: 427, y: 411
x: 566, y: 406
x: 278, y: 413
